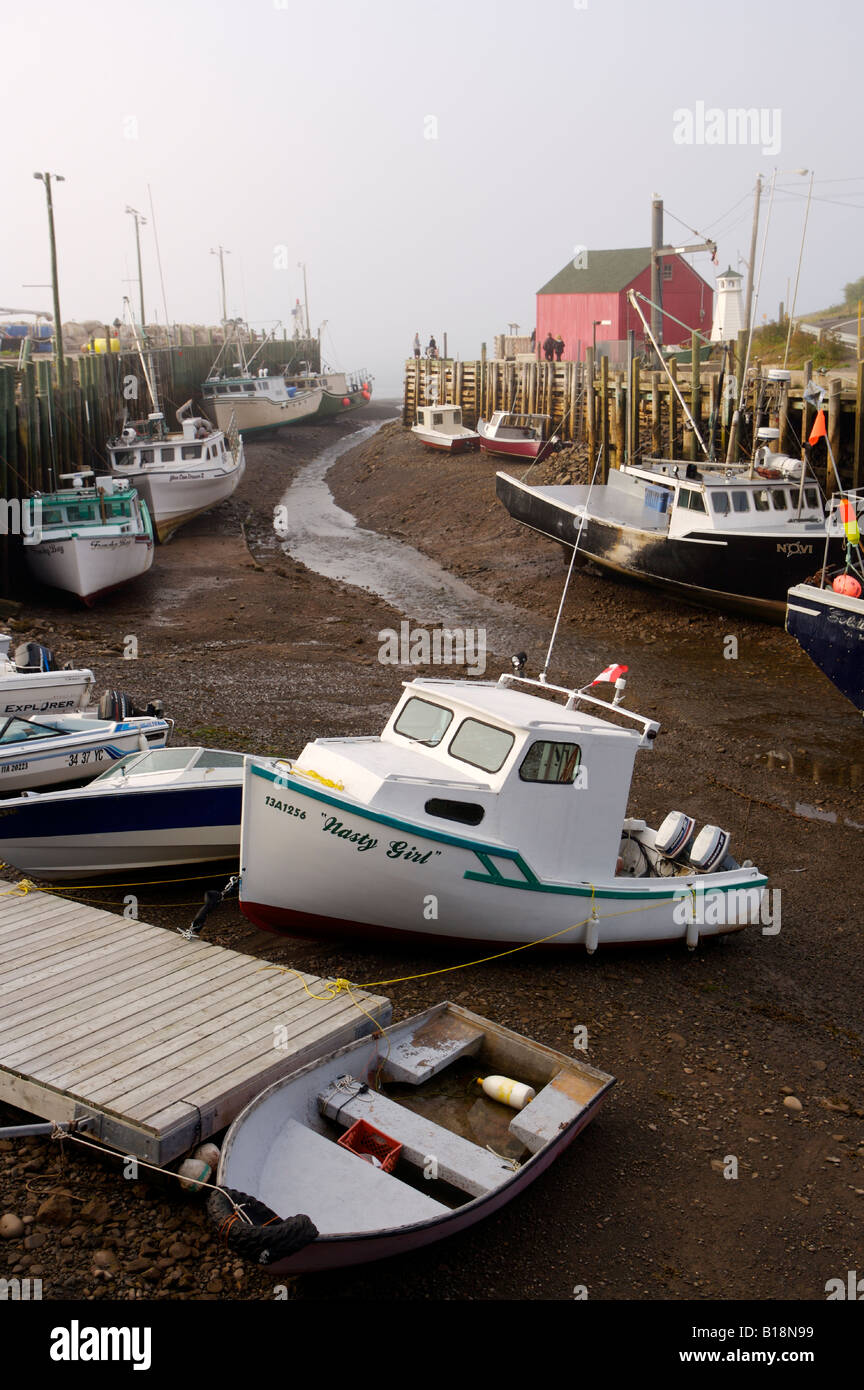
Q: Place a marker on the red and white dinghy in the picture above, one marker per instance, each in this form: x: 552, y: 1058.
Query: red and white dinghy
x: 441, y: 427
x: 441, y: 1155
x: 517, y: 436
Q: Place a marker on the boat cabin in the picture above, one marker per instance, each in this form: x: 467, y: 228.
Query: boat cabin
x: 677, y: 498
x: 526, y: 772
x: 507, y: 425
x: 146, y: 444
x: 90, y: 501
x: 442, y: 419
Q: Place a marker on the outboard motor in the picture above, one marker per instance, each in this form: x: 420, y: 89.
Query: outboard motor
x: 115, y: 705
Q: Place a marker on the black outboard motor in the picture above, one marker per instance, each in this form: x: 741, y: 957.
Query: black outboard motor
x: 115, y: 705
x: 31, y: 656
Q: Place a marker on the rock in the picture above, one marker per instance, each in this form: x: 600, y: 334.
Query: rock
x: 215, y: 1285
x: 11, y: 1226
x: 56, y: 1210
x: 105, y: 1259
x: 178, y: 1251
x: 792, y: 1103
x: 35, y: 1242
x: 97, y: 1211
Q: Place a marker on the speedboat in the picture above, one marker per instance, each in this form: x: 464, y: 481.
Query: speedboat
x: 70, y: 747
x: 393, y: 1143
x: 730, y: 536
x: 159, y: 809
x: 92, y: 536
x: 31, y: 684
x: 512, y: 435
x: 826, y: 618
x: 440, y: 427
x: 485, y: 813
x: 181, y: 473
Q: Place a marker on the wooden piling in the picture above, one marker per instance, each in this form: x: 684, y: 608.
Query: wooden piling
x: 591, y: 404
x: 604, y: 419
x: 695, y: 393
x: 673, y: 412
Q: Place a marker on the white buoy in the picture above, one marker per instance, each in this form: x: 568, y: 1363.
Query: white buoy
x: 193, y: 1172
x: 513, y: 1093
x: 592, y: 934
x: 208, y: 1153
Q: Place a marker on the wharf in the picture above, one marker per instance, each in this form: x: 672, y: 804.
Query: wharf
x: 159, y: 1040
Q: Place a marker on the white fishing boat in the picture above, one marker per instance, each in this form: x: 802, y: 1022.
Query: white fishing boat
x: 159, y: 809
x: 30, y: 683
x: 260, y: 402
x: 389, y: 1145
x: 441, y: 427
x: 71, y: 747
x: 181, y: 473
x: 93, y: 536
x: 484, y: 813
x: 512, y: 435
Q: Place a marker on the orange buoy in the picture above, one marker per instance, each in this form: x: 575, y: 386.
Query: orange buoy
x: 346, y: 400
x: 847, y: 584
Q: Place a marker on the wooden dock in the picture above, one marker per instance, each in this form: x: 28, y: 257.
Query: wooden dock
x: 159, y: 1040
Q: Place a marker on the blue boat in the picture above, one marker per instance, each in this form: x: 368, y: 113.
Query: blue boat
x: 827, y: 618
x: 160, y: 809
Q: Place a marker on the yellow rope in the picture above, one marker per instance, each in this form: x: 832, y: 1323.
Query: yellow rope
x: 23, y: 887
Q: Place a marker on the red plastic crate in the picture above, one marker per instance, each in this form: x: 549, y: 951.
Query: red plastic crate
x: 363, y: 1140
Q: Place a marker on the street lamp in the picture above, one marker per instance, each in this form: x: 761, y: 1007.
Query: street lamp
x: 598, y: 323
x: 58, y: 327
x: 139, y: 222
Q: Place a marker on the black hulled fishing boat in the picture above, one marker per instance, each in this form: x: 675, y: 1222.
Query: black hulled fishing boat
x: 827, y: 618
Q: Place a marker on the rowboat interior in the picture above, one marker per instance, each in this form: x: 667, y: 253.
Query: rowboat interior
x: 418, y: 1085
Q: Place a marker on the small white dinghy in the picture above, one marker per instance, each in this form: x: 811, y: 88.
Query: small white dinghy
x: 485, y: 813
x: 391, y: 1143
x: 441, y: 427
x: 30, y: 684
x: 71, y: 747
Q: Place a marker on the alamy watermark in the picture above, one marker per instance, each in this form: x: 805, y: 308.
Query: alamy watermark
x: 447, y: 646
x: 735, y: 907
x: 21, y: 517
x: 701, y: 125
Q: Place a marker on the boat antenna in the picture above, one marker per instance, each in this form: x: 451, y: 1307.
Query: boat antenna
x: 631, y: 295
x: 545, y: 671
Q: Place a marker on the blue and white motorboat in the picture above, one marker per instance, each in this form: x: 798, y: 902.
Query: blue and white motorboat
x: 70, y: 748
x: 159, y: 809
x: 29, y: 683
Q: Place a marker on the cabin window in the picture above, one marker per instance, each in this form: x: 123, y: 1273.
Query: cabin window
x: 457, y: 417
x: 123, y: 459
x: 191, y: 451
x: 550, y: 762
x: 740, y: 501
x: 166, y: 455
x: 147, y: 455
x: 481, y: 745
x: 465, y: 812
x: 760, y: 500
x: 689, y: 497
x: 423, y: 722
x: 720, y: 503
x: 53, y: 516
x: 438, y: 419
x: 249, y: 388
x: 812, y: 496
x: 778, y: 499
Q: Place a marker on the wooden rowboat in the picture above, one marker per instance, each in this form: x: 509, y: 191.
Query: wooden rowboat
x: 463, y: 1155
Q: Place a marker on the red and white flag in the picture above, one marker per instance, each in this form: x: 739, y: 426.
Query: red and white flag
x: 611, y: 675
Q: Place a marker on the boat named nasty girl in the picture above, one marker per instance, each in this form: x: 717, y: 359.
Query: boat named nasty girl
x: 484, y: 813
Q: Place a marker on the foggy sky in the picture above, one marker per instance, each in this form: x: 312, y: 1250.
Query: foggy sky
x: 298, y: 132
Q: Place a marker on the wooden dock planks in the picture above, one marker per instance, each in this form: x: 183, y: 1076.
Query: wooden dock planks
x: 160, y: 1040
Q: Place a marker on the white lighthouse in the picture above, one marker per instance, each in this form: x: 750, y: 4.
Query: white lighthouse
x: 728, y: 308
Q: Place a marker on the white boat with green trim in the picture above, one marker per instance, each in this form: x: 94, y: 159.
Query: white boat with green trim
x: 485, y: 813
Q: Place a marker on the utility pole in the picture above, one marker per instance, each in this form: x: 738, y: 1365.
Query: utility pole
x: 222, y: 253
x: 748, y: 300
x: 139, y: 222
x: 58, y: 325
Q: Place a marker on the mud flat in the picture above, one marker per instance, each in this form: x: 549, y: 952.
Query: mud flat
x: 251, y: 648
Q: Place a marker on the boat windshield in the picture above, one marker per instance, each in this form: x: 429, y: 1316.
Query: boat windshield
x: 156, y: 760
x: 16, y: 730
x: 423, y: 722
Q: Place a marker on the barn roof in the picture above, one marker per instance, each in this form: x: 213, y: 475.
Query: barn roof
x: 606, y: 271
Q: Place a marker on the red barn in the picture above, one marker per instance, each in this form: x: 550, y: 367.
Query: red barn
x: 569, y: 304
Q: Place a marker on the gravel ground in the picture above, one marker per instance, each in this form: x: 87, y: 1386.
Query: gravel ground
x: 749, y: 1048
